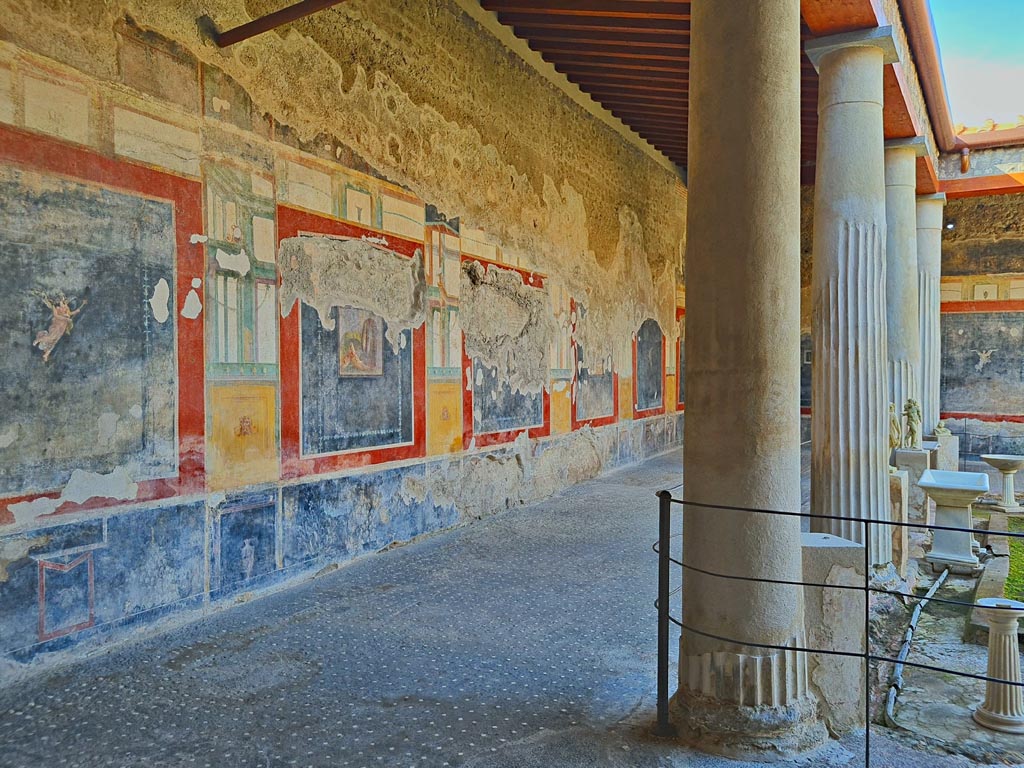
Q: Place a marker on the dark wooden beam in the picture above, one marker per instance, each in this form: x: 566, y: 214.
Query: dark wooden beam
x: 614, y: 9
x: 609, y: 36
x: 632, y: 26
x: 271, y: 21
x: 612, y: 64
x: 609, y: 52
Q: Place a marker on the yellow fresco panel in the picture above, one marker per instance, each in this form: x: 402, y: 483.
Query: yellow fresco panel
x: 561, y: 408
x: 670, y: 392
x: 444, y: 417
x: 625, y: 398
x: 242, y: 443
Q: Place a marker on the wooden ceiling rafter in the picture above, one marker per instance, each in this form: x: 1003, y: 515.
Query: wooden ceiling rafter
x: 632, y: 57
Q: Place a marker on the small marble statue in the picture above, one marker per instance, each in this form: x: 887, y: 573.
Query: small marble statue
x: 941, y: 429
x: 912, y: 413
x: 895, y: 432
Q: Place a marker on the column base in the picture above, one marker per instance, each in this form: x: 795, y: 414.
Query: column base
x: 964, y: 566
x: 748, y: 733
x: 995, y: 722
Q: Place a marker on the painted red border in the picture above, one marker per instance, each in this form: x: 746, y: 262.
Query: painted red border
x: 659, y: 410
x: 536, y: 280
x: 1005, y: 305
x: 290, y: 222
x: 597, y: 421
x: 45, y: 566
x: 1016, y: 418
x: 41, y: 153
x: 680, y: 314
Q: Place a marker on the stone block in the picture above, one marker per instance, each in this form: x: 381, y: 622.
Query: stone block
x: 948, y: 454
x: 834, y: 620
x: 898, y: 494
x: 915, y: 462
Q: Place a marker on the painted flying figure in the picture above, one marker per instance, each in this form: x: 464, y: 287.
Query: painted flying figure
x: 61, y: 322
x: 984, y: 358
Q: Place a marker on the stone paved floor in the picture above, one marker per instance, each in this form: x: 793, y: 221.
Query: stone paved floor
x: 524, y: 640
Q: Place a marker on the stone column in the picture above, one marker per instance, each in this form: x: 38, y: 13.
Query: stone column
x: 742, y: 428
x: 849, y: 421
x: 902, y: 310
x: 929, y: 267
x: 1003, y: 708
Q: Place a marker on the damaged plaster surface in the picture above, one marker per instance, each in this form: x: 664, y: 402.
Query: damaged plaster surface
x: 581, y: 205
x: 523, y: 472
x: 82, y: 487
x: 326, y: 272
x: 507, y: 324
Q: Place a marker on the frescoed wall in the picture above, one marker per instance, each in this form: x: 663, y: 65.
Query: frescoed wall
x: 251, y: 331
x: 982, y: 292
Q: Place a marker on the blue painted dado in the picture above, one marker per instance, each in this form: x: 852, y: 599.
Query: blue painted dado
x: 72, y: 585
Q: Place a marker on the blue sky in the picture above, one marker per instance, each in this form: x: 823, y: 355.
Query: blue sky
x: 981, y: 43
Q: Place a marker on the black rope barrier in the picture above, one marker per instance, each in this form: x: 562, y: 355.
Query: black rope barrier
x: 661, y: 548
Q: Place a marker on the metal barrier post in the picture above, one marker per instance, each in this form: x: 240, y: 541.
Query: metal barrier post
x: 664, y: 727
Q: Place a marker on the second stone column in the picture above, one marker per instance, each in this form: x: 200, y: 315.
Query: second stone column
x: 849, y: 421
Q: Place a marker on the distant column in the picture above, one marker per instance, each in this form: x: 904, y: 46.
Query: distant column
x: 849, y: 421
x: 929, y: 269
x: 742, y: 440
x: 902, y: 308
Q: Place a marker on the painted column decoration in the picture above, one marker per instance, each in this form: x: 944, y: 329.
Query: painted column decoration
x: 742, y: 438
x: 849, y: 422
x: 929, y: 268
x: 901, y: 274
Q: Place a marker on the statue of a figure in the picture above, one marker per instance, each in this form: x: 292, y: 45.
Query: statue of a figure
x: 941, y: 429
x: 912, y: 413
x: 895, y: 432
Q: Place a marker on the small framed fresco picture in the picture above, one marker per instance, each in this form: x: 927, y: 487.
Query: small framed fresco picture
x: 360, y: 342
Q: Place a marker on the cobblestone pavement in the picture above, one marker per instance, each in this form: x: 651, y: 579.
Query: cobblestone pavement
x: 524, y: 640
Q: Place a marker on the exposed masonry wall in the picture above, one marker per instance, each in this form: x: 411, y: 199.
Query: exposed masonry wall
x: 233, y: 428
x: 507, y: 324
x: 326, y: 273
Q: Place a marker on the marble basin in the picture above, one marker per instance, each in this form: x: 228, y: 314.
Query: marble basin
x: 1008, y: 466
x: 1003, y: 462
x: 953, y: 492
x: 953, y: 489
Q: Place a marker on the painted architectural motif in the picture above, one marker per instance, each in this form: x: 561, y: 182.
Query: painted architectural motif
x: 211, y: 438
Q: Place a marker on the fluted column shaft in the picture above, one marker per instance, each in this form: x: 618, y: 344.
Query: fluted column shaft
x: 929, y: 268
x: 903, y: 319
x: 849, y: 422
x: 1003, y: 708
x: 742, y: 431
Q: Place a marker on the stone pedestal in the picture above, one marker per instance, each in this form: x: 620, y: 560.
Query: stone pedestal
x: 898, y: 494
x: 948, y: 456
x: 1003, y: 708
x: 915, y: 463
x: 742, y: 382
x: 849, y: 421
x: 953, y: 493
x: 929, y: 263
x: 835, y: 620
x: 1008, y: 466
